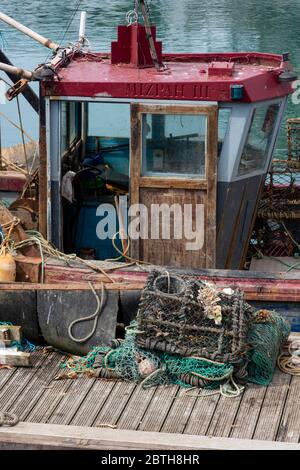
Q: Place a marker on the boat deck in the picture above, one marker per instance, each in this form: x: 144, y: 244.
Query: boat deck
x: 263, y: 417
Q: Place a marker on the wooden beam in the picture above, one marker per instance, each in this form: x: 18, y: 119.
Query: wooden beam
x: 15, y: 332
x: 172, y: 183
x: 10, y: 357
x: 20, y: 286
x: 52, y: 436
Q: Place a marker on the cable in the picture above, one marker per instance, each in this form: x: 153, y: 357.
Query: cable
x: 67, y: 28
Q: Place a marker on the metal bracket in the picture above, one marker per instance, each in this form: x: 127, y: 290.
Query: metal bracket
x: 16, y: 89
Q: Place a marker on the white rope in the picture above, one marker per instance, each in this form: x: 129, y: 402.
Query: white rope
x: 289, y: 361
x: 94, y: 316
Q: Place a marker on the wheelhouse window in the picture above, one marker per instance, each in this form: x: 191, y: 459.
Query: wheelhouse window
x: 174, y: 145
x: 223, y: 121
x: 108, y: 137
x: 256, y: 150
x: 70, y: 124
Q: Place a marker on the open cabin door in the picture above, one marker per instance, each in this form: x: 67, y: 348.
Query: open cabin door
x: 173, y: 176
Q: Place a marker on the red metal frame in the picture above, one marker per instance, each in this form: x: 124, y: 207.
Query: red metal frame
x: 12, y: 181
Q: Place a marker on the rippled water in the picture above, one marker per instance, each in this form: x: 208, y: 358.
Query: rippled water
x: 183, y: 25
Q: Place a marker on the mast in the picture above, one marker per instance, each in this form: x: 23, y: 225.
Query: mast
x: 157, y: 63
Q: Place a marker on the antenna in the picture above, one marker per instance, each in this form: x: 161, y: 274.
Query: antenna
x: 82, y: 26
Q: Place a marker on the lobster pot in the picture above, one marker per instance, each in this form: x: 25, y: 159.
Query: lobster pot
x: 190, y: 318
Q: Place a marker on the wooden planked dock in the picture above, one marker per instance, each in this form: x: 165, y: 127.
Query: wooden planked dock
x: 93, y: 413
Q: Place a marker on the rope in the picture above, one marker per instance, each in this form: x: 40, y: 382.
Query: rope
x: 123, y: 254
x: 289, y: 362
x: 6, y: 243
x: 8, y: 419
x: 35, y: 238
x: 231, y: 389
x: 94, y: 316
x: 228, y: 390
x: 13, y: 166
x: 17, y: 127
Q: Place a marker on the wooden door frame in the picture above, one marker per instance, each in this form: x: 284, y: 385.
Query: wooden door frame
x: 208, y: 183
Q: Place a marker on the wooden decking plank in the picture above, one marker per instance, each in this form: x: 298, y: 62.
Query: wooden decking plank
x: 223, y: 416
x: 272, y: 407
x: 248, y: 413
x: 45, y: 436
x: 179, y: 413
x: 35, y: 389
x: 49, y: 401
x: 19, y: 381
x: 135, y: 408
x: 114, y: 406
x: 93, y: 403
x: 158, y: 408
x: 202, y: 414
x: 289, y: 427
x: 72, y: 400
x: 5, y: 375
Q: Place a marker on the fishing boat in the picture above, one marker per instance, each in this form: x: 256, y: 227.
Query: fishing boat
x: 123, y: 132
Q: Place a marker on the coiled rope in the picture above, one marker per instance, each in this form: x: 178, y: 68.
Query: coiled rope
x: 289, y: 361
x: 8, y: 419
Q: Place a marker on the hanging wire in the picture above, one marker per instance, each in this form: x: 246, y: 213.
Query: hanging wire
x: 64, y: 34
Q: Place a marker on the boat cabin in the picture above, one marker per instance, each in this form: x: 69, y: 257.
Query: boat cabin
x: 172, y: 149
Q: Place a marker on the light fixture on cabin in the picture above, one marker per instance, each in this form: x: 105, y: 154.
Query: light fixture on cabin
x: 287, y: 75
x: 237, y: 92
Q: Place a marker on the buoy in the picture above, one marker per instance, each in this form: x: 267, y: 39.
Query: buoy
x: 7, y: 267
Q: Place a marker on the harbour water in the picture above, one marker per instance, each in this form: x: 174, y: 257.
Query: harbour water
x: 183, y: 25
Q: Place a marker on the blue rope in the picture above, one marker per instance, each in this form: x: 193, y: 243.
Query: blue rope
x: 24, y: 345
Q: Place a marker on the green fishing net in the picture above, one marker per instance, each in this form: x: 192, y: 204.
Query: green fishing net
x: 266, y: 336
x: 130, y: 362
x: 194, y: 336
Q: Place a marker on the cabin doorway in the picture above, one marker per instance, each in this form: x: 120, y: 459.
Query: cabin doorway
x: 94, y: 174
x: 173, y: 179
x: 146, y: 170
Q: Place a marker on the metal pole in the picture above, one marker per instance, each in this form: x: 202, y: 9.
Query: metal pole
x: 32, y: 34
x: 82, y: 26
x: 28, y: 93
x: 158, y: 65
x: 17, y: 71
